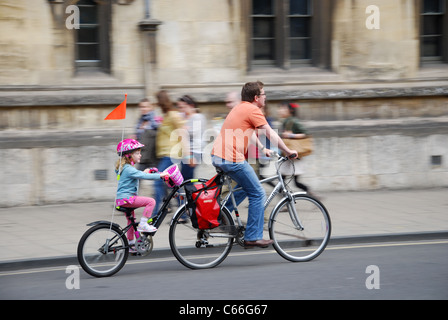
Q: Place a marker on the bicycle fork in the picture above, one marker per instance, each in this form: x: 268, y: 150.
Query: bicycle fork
x: 293, y: 213
x: 290, y: 204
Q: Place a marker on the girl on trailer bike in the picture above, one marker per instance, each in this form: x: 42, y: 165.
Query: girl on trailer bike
x: 127, y: 196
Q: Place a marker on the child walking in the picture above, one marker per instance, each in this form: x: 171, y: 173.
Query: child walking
x: 129, y: 176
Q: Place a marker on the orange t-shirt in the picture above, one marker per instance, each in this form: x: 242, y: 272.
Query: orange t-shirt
x: 231, y: 143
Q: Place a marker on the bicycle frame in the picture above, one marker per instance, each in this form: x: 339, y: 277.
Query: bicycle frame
x: 279, y: 188
x: 161, y: 214
x: 157, y: 219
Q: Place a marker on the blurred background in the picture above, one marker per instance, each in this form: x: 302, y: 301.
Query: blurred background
x: 372, y: 85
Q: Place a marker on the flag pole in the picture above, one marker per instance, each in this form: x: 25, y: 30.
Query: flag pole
x: 119, y: 113
x: 119, y: 174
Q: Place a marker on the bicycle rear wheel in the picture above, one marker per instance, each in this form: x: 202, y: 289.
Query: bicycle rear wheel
x: 103, y: 250
x: 201, y: 249
x: 290, y: 241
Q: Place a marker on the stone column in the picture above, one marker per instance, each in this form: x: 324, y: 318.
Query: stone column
x: 378, y: 41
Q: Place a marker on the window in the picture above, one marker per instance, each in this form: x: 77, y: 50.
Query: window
x: 287, y: 33
x: 433, y: 30
x: 299, y: 20
x: 263, y: 26
x: 92, y: 37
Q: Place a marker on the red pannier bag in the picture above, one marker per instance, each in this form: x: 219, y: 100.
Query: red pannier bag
x: 204, y: 203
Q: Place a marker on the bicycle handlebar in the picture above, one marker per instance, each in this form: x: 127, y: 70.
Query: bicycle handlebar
x: 279, y: 157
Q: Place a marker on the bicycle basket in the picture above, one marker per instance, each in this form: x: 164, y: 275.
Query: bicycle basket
x: 175, y: 177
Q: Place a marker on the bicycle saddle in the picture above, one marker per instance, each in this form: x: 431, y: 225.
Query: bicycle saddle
x: 219, y: 170
x: 127, y: 211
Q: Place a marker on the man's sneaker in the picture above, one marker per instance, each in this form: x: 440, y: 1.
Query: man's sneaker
x: 145, y: 227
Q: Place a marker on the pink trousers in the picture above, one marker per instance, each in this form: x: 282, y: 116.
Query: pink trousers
x: 139, y: 202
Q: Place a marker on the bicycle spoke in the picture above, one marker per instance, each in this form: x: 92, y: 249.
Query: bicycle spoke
x: 199, y: 249
x: 290, y: 240
x: 93, y: 255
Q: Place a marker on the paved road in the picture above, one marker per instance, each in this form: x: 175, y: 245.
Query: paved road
x: 55, y: 230
x: 400, y: 270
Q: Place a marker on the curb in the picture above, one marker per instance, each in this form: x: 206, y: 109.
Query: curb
x: 166, y: 252
x: 430, y: 235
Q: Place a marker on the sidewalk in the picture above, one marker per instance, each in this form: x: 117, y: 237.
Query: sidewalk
x: 53, y: 231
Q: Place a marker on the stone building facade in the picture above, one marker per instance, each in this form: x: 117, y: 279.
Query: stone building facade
x: 371, y: 78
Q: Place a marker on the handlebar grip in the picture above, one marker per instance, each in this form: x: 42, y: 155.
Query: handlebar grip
x: 291, y: 156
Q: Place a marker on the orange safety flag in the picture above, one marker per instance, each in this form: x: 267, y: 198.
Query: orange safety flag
x: 119, y: 112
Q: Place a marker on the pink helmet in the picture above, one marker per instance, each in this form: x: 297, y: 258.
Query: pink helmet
x: 128, y: 145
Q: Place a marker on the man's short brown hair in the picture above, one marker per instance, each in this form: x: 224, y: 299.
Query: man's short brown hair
x: 250, y: 90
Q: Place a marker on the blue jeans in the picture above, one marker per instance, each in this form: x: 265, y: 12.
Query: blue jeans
x: 246, y: 178
x: 188, y: 173
x: 159, y: 185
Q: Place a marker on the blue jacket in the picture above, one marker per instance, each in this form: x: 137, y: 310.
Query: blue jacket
x: 129, y: 178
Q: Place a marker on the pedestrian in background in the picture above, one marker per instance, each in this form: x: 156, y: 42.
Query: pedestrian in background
x: 293, y: 129
x: 233, y: 99
x: 146, y: 132
x: 195, y: 124
x: 164, y: 144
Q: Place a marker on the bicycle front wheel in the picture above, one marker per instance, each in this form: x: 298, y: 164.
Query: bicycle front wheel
x: 300, y: 237
x: 201, y: 249
x: 103, y: 250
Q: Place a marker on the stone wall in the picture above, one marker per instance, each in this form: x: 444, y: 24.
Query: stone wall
x: 390, y: 51
x: 372, y: 154
x: 377, y: 113
x: 58, y: 167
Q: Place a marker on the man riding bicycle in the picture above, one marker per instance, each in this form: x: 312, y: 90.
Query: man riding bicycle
x: 229, y: 152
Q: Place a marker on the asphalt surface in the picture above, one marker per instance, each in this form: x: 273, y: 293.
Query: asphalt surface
x: 42, y: 236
